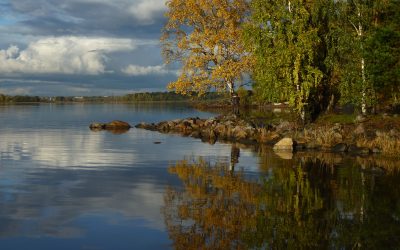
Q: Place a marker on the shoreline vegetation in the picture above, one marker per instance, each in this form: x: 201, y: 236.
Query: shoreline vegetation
x: 350, y: 134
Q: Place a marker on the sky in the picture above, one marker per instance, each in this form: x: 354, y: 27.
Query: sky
x: 82, y: 47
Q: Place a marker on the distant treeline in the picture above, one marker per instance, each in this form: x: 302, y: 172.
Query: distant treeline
x: 129, y: 98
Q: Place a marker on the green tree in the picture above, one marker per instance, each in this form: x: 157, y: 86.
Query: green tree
x: 368, y: 51
x: 289, y: 39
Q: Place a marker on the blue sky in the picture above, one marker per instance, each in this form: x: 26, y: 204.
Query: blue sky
x: 81, y: 47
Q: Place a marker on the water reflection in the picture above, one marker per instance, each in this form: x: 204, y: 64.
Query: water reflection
x: 307, y: 202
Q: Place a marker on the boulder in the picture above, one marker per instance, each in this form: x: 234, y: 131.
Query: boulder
x: 284, y: 144
x: 97, y: 126
x: 353, y: 149
x: 147, y: 126
x: 117, y: 125
x: 339, y: 148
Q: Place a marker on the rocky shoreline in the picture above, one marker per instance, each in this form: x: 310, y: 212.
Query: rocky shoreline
x: 285, y: 136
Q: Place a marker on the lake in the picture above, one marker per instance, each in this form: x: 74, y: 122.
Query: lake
x: 63, y: 186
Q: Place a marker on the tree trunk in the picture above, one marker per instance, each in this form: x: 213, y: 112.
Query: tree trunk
x: 235, y: 100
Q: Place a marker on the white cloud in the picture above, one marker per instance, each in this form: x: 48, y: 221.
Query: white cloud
x: 136, y: 70
x: 147, y: 10
x: 65, y: 55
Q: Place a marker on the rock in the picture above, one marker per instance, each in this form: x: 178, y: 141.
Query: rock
x: 117, y: 125
x: 353, y: 149
x: 97, y: 126
x: 339, y: 148
x: 284, y: 144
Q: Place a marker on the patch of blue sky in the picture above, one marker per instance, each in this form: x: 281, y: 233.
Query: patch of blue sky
x: 8, y: 17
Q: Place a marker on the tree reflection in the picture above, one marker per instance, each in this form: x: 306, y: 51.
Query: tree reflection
x: 301, y: 203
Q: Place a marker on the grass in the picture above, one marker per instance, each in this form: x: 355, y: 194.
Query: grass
x: 324, y: 136
x: 336, y: 118
x: 388, y: 144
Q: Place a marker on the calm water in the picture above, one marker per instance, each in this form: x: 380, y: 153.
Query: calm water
x: 65, y: 187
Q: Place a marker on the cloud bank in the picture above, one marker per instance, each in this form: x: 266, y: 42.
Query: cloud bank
x: 137, y: 70
x: 65, y: 55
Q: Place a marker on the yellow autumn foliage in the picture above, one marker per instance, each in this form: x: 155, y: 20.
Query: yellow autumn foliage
x: 205, y: 37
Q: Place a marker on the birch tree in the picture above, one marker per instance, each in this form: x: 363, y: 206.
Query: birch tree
x: 290, y: 51
x: 204, y: 37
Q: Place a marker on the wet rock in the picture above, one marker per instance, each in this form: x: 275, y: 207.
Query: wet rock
x: 284, y: 144
x: 147, y: 126
x: 339, y: 148
x: 97, y: 126
x: 116, y: 127
x: 353, y: 149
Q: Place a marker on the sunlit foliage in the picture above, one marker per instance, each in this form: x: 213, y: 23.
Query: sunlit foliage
x: 204, y: 37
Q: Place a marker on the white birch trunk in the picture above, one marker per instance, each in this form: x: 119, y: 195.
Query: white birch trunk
x: 364, y: 81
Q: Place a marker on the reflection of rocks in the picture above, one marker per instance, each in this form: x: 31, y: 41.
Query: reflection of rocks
x: 116, y: 127
x: 284, y: 155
